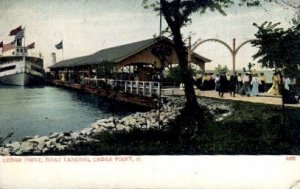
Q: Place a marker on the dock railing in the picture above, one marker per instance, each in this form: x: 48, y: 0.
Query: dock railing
x: 142, y: 88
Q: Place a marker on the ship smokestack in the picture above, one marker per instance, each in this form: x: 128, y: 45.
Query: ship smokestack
x: 53, y: 55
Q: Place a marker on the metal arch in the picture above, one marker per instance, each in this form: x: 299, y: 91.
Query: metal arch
x: 232, y: 50
x: 216, y: 40
x: 245, y: 42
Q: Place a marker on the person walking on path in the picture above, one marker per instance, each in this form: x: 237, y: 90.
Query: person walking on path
x: 223, y: 84
x: 240, y: 83
x: 262, y: 86
x: 287, y: 82
x: 255, y: 82
x: 246, y: 85
x: 233, y: 82
x: 217, y: 82
x: 274, y: 90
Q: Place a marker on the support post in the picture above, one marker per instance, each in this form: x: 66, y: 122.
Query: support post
x: 144, y: 88
x: 131, y: 86
x: 150, y: 88
x: 233, y: 54
x: 158, y: 89
x: 137, y: 84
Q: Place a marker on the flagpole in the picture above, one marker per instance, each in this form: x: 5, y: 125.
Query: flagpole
x: 24, y: 53
x: 62, y: 50
x: 24, y: 37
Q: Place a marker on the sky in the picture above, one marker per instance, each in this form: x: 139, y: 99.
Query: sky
x: 87, y: 26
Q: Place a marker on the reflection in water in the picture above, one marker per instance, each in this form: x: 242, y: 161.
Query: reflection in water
x: 28, y: 111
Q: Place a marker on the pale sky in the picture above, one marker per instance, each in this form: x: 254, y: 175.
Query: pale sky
x: 87, y: 26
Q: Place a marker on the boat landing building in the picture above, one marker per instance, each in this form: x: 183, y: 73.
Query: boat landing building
x: 133, y: 61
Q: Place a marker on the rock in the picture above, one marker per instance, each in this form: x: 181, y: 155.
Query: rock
x: 87, y: 131
x: 81, y: 138
x: 122, y: 127
x: 95, y: 125
x: 98, y: 130
x: 48, y: 144
x: 38, y: 140
x: 54, y: 135
x: 14, y: 146
x: 67, y: 134
x: 60, y: 147
x: 75, y: 135
x: 44, y: 150
x: 36, y: 136
x: 4, y: 152
x: 108, y: 125
x: 25, y: 147
x: 26, y: 138
x: 110, y: 119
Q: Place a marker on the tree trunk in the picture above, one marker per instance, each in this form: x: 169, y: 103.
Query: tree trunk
x: 283, y: 131
x: 181, y: 51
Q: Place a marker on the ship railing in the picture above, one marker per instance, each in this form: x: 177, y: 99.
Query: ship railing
x: 141, y: 88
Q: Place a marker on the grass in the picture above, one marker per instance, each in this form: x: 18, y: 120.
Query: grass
x: 252, y: 129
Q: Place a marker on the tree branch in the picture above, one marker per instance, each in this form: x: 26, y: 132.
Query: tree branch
x: 290, y: 4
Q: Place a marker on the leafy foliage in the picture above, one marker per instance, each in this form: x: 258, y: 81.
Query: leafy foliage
x: 163, y: 53
x: 279, y: 48
x: 221, y: 69
x: 178, y: 12
x: 175, y: 74
x: 105, y: 69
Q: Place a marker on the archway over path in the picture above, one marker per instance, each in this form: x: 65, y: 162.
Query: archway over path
x: 233, y: 50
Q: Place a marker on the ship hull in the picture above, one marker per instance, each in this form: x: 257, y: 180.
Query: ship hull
x: 22, y: 71
x: 21, y: 79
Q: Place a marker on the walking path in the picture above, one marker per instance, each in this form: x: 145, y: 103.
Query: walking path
x: 262, y: 98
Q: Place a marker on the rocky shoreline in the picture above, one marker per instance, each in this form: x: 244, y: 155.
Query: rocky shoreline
x: 170, y: 109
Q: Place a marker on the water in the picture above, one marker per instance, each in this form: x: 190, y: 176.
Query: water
x: 40, y: 111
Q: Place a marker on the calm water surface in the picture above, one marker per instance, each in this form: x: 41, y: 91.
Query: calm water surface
x: 27, y: 111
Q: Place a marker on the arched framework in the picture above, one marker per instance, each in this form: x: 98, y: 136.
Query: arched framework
x: 233, y: 50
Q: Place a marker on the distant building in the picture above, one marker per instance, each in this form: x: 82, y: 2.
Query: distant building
x: 135, y: 58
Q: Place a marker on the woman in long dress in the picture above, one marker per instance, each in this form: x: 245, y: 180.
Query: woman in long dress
x: 255, y: 82
x: 274, y: 90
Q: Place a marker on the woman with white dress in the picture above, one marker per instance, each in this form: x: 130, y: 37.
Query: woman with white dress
x: 255, y: 82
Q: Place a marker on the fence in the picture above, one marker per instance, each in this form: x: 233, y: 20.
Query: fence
x: 142, y: 88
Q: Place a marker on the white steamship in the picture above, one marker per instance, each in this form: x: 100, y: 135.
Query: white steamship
x: 21, y: 69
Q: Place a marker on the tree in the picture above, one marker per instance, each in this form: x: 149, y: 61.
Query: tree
x: 279, y: 49
x: 106, y: 70
x: 163, y: 53
x: 175, y: 75
x: 177, y: 14
x: 221, y: 69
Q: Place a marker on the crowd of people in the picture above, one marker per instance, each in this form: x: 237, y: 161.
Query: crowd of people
x: 247, y: 84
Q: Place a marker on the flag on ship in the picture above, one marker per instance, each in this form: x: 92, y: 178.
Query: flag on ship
x: 59, y: 45
x: 31, y: 46
x: 7, y: 47
x: 15, y: 31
